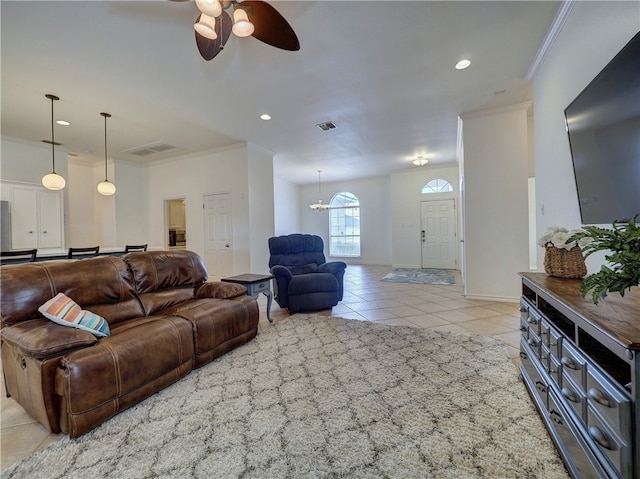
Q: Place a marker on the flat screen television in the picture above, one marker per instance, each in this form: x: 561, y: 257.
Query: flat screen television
x: 603, y: 124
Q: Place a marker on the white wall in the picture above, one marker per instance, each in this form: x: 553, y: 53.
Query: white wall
x: 496, y: 224
x: 261, y: 208
x: 592, y: 35
x: 217, y: 171
x: 131, y: 205
x: 287, y: 207
x: 375, y: 216
x: 81, y: 220
x: 406, y: 188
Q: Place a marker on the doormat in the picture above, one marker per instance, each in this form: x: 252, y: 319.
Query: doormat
x: 424, y: 276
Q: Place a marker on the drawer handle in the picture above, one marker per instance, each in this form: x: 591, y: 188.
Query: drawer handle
x: 522, y: 328
x: 600, y: 437
x: 541, y: 387
x: 555, y: 417
x: 599, y: 397
x: 570, y: 363
x: 523, y: 355
x: 23, y: 363
x: 532, y: 321
x: 261, y: 285
x: 569, y: 394
x: 532, y: 342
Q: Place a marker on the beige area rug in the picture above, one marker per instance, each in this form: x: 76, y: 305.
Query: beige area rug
x: 319, y: 396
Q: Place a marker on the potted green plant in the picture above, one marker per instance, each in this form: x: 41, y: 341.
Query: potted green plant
x: 623, y: 271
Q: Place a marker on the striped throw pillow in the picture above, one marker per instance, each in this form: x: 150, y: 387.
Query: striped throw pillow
x: 63, y: 310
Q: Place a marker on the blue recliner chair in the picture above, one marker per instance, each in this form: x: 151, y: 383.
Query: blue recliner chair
x: 304, y: 280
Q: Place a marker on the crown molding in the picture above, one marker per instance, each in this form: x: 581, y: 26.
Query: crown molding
x: 556, y: 27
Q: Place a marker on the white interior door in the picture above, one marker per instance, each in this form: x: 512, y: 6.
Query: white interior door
x: 438, y: 235
x: 218, y: 246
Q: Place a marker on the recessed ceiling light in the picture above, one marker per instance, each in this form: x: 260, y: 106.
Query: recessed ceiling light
x: 462, y: 64
x: 63, y: 122
x: 265, y: 117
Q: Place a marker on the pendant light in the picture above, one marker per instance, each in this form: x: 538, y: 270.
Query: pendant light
x: 319, y: 206
x: 106, y: 188
x: 53, y: 181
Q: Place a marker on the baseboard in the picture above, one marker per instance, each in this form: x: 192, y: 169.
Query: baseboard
x: 502, y: 299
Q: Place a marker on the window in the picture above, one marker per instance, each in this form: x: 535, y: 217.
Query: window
x: 437, y: 186
x: 344, y: 225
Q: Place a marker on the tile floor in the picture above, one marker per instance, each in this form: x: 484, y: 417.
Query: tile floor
x: 366, y: 298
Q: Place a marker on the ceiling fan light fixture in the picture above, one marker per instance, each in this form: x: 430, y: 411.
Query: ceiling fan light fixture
x: 206, y: 26
x: 420, y: 161
x: 211, y: 8
x: 242, y: 27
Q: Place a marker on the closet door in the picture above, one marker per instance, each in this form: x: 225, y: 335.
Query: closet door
x: 24, y: 218
x: 49, y: 219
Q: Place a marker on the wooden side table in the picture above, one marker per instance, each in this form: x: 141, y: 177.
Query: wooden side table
x: 256, y: 284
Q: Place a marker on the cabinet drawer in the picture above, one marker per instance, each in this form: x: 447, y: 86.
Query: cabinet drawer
x: 551, y: 338
x: 534, y: 343
x: 616, y: 449
x: 574, y: 397
x: 573, y: 364
x: 534, y: 319
x: 612, y: 405
x: 536, y: 385
x: 555, y: 371
x: 578, y: 457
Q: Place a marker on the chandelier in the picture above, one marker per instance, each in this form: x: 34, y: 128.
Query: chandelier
x: 319, y: 206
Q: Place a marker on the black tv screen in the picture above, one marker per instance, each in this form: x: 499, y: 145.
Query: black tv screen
x: 603, y: 124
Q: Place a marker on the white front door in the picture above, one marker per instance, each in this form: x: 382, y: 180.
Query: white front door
x: 217, y: 229
x: 438, y: 235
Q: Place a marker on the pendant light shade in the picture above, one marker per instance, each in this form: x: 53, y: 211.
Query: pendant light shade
x: 242, y: 27
x: 211, y: 8
x: 106, y: 188
x: 206, y: 26
x: 53, y: 181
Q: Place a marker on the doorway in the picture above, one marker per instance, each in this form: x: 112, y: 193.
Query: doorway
x: 218, y: 234
x: 438, y: 234
x: 176, y: 223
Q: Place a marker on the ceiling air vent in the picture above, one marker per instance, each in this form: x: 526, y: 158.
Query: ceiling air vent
x: 150, y: 149
x: 326, y: 126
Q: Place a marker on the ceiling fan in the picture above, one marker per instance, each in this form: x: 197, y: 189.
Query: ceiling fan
x: 250, y: 18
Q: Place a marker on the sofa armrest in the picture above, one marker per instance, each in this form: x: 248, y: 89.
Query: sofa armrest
x: 41, y: 338
x: 333, y: 267
x: 220, y: 290
x: 281, y: 271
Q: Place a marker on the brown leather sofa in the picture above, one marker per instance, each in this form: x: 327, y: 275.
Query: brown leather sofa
x: 164, y: 318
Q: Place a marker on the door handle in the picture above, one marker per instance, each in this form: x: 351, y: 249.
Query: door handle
x: 227, y: 245
x: 424, y: 234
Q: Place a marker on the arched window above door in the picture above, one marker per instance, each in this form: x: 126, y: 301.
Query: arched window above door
x: 437, y: 185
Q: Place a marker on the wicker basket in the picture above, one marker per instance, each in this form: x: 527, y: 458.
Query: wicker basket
x: 563, y: 263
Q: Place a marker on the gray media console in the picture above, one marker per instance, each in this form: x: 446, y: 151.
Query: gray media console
x: 581, y: 366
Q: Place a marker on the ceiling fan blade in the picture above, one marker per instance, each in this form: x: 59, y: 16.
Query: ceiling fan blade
x: 271, y: 27
x: 210, y: 48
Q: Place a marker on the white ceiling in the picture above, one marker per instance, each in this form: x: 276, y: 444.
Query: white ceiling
x: 383, y: 72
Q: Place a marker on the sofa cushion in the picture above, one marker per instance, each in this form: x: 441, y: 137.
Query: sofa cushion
x: 217, y: 321
x: 103, y: 285
x: 304, y: 269
x: 165, y: 278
